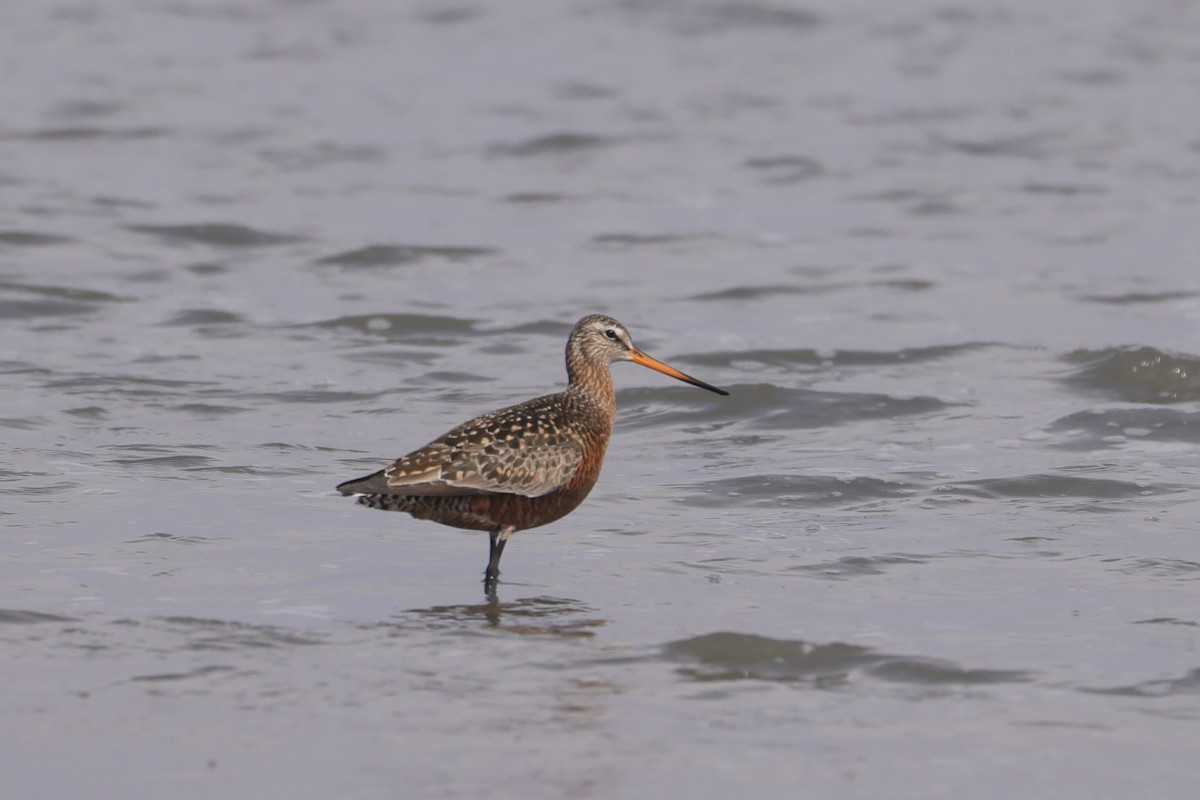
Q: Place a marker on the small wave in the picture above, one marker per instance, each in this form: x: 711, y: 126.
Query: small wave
x: 1138, y: 298
x: 1175, y: 568
x: 399, y: 326
x: 393, y: 255
x: 198, y: 672
x: 784, y: 170
x: 162, y: 538
x: 554, y: 144
x: 768, y: 290
x: 32, y: 309
x: 123, y: 386
x: 536, y: 197
x: 88, y: 132
x: 766, y: 406
x: 10, y: 616
x: 218, y: 234
x: 1187, y: 685
x: 215, y: 634
x: 727, y: 656
x: 32, y: 238
x: 788, y: 490
x: 316, y: 396
x: 529, y: 616
x: 204, y: 316
x: 804, y: 359
x: 628, y: 241
x: 207, y: 410
x: 1050, y: 486
x: 1029, y: 146
x: 857, y: 566
x: 710, y: 19
x: 172, y: 461
x: 323, y: 154
x: 1118, y: 427
x: 73, y: 293
x: 1137, y: 374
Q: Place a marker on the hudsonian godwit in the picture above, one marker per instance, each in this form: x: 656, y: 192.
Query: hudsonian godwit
x: 522, y: 466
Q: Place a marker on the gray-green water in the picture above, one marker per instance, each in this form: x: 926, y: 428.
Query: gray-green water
x: 941, y: 541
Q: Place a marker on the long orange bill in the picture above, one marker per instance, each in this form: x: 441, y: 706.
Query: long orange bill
x: 638, y: 357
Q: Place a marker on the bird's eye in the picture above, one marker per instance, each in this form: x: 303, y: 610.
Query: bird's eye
x: 611, y: 334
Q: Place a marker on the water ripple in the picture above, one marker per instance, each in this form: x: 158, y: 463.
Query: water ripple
x: 11, y: 616
x: 727, y: 656
x: 1139, y: 375
x: 124, y: 385
x: 216, y: 634
x: 716, y: 18
x: 787, y: 490
x: 1158, y: 567
x: 204, y: 316
x: 171, y: 461
x: 32, y: 309
x: 1050, y: 486
x: 783, y: 170
x: 391, y: 255
x: 76, y: 132
x: 198, y: 672
x: 529, y: 616
x: 628, y: 241
x: 1186, y: 686
x: 61, y: 292
x: 766, y: 406
x: 217, y: 234
x: 554, y: 144
x: 32, y: 238
x: 768, y: 290
x: 427, y: 327
x: 1118, y: 427
x: 805, y: 359
x: 857, y: 566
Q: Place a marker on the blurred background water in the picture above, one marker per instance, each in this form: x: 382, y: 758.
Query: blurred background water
x: 940, y: 541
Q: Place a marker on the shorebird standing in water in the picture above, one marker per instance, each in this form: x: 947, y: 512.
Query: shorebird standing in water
x: 522, y: 466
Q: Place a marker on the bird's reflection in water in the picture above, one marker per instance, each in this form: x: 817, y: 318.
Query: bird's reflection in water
x: 536, y: 616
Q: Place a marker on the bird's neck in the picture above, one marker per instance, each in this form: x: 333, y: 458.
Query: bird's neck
x: 592, y: 381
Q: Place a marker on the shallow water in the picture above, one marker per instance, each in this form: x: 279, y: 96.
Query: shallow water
x: 940, y: 541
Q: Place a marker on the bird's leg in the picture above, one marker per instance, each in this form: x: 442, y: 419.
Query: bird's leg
x: 499, y: 538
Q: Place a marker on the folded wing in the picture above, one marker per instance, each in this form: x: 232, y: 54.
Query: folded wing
x: 520, y: 450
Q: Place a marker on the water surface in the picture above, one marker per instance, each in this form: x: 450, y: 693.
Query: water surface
x: 940, y: 541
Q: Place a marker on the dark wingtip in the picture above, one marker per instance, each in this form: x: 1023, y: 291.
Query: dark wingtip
x: 374, y: 483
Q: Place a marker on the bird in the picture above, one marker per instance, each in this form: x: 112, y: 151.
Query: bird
x: 522, y: 466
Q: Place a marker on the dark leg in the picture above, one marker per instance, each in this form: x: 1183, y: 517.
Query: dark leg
x: 499, y: 538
